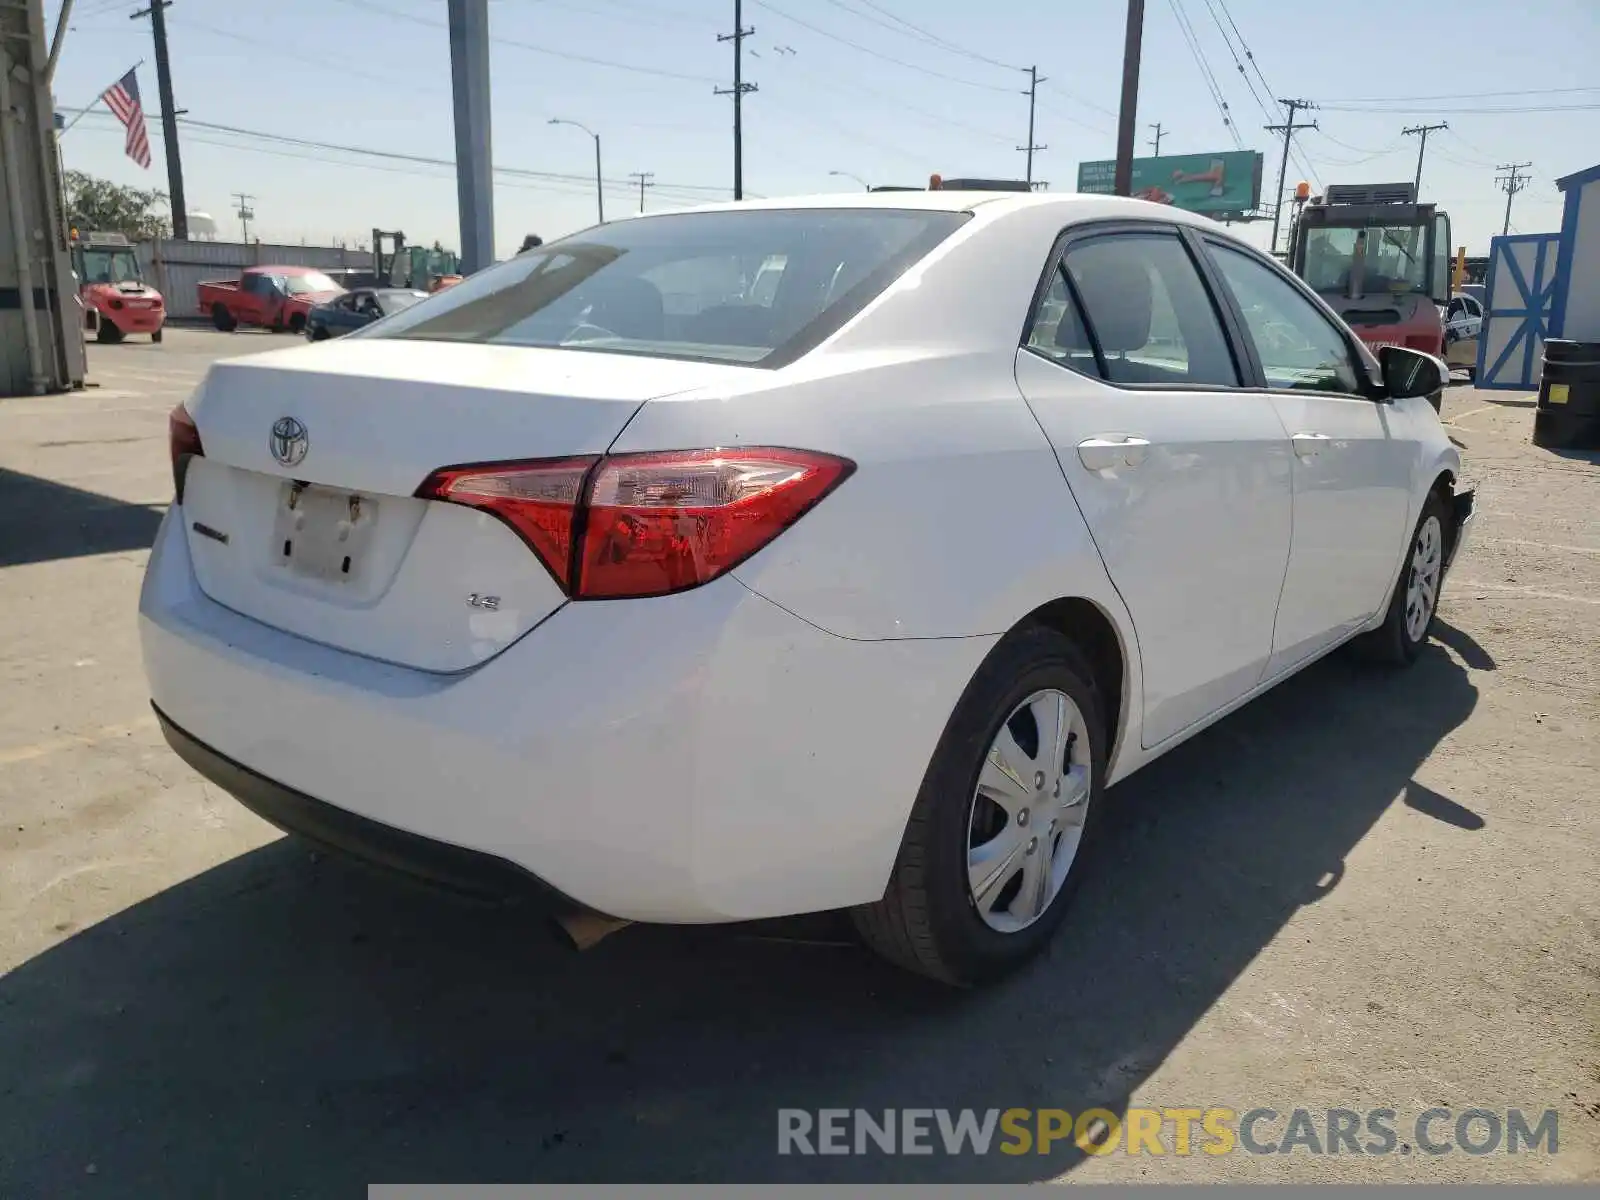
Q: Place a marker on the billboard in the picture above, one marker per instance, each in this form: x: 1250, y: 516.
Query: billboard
x: 1227, y: 183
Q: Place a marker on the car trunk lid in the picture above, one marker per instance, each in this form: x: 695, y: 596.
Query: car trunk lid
x: 302, y: 513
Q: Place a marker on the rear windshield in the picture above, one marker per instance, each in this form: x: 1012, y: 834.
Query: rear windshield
x: 757, y: 287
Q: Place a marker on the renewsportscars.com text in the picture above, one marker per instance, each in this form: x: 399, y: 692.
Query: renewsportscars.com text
x: 1167, y: 1131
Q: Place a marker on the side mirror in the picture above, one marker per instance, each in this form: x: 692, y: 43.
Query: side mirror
x: 1408, y: 373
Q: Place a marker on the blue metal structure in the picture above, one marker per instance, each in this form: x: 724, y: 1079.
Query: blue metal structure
x: 1521, y: 289
x: 1575, y: 188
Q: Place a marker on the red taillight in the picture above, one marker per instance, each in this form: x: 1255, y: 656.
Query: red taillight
x: 183, y: 442
x: 537, y: 499
x: 646, y: 524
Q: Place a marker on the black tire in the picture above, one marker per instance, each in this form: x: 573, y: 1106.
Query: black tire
x: 1391, y: 643
x: 108, y: 334
x: 319, y: 334
x: 156, y: 337
x: 222, y: 319
x: 297, y: 323
x: 926, y: 921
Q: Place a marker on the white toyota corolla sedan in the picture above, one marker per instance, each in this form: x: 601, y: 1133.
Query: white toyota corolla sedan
x: 781, y: 557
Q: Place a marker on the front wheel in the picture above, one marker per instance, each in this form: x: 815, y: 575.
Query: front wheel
x: 1415, y: 603
x: 297, y: 323
x: 1005, y: 821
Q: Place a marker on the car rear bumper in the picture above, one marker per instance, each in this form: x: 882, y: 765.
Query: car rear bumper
x: 438, y: 863
x: 699, y: 757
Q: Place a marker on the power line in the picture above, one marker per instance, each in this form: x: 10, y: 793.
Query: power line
x: 1461, y: 95
x: 366, y: 6
x: 1199, y: 56
x: 928, y: 115
x: 584, y: 181
x: 897, y: 24
x: 1453, y: 109
x: 899, y: 62
x: 1223, y: 4
x: 1245, y: 75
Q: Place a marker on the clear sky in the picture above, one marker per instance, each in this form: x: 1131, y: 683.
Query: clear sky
x: 375, y: 74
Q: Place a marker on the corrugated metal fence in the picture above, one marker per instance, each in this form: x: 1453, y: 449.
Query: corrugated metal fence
x: 177, y: 268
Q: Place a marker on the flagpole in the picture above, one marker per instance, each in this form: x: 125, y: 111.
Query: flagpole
x: 97, y: 100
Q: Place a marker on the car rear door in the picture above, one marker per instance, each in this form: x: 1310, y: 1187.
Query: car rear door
x: 1353, y: 455
x: 1181, y: 474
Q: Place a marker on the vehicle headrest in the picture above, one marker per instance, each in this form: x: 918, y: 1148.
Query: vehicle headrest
x: 1070, y: 333
x: 1115, y: 287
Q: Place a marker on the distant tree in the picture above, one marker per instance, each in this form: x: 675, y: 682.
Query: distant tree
x: 100, y: 206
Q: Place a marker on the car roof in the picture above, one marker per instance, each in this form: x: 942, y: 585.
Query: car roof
x: 1073, y: 206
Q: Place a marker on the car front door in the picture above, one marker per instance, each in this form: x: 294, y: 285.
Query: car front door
x: 1352, y: 457
x: 1182, y: 475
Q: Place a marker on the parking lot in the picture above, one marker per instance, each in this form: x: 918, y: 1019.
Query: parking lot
x: 1371, y: 890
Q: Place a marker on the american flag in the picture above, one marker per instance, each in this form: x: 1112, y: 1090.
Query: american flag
x: 122, y: 98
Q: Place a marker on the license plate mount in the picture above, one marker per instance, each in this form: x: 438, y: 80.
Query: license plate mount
x: 322, y: 533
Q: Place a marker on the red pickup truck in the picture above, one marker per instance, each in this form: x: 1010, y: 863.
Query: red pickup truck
x: 276, y: 297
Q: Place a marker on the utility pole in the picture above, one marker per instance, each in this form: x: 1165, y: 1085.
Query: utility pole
x: 1155, y: 142
x: 1127, y: 116
x: 737, y: 91
x: 1513, y: 181
x: 1423, y: 131
x: 644, y: 178
x: 468, y: 25
x: 246, y: 213
x: 169, y: 117
x: 1034, y: 80
x: 1288, y: 130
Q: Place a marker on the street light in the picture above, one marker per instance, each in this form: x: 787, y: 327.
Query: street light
x: 599, y: 188
x: 857, y: 178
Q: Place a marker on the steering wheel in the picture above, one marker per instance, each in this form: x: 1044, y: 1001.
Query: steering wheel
x: 589, y: 332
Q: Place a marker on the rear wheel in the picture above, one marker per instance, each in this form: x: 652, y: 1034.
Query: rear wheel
x: 1005, y: 821
x: 107, y: 334
x: 1415, y: 603
x: 156, y: 337
x: 222, y: 318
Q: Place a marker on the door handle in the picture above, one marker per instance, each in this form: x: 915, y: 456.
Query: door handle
x: 1102, y: 454
x: 1309, y: 445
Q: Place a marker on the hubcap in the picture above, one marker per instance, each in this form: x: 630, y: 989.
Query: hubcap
x: 1422, y: 590
x: 1027, y: 812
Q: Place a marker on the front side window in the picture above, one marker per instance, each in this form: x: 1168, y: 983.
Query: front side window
x: 1299, y: 348
x: 751, y: 286
x: 1146, y: 312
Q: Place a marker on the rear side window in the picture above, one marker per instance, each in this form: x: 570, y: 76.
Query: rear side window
x: 1146, y: 316
x: 756, y: 287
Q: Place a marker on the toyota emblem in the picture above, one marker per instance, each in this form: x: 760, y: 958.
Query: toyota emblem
x: 289, y: 441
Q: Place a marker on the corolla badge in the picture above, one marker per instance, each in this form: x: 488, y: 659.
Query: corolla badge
x: 289, y: 441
